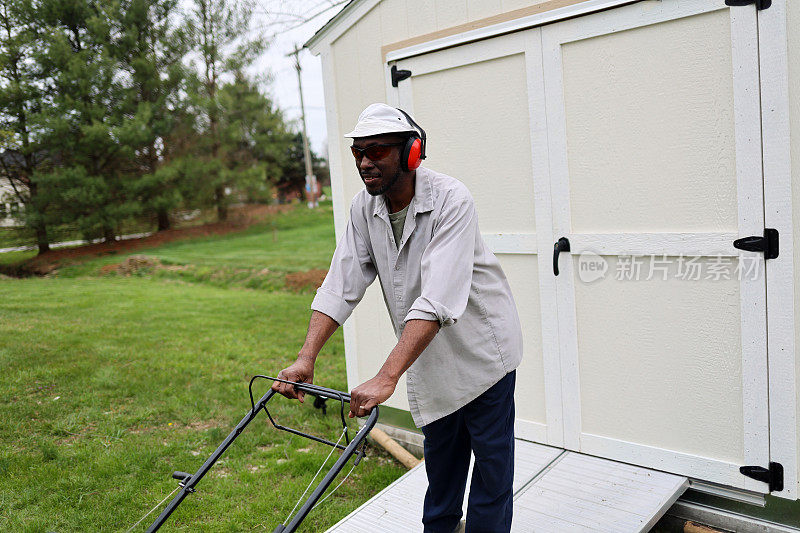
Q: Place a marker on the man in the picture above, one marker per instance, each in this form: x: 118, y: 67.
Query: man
x: 459, y: 333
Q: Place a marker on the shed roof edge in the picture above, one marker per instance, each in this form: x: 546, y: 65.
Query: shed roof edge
x: 339, y: 23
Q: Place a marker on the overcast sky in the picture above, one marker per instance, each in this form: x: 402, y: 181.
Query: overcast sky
x: 283, y: 88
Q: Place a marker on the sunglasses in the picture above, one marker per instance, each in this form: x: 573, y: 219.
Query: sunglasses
x: 376, y: 152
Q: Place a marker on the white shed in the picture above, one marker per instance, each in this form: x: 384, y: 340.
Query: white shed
x: 651, y: 135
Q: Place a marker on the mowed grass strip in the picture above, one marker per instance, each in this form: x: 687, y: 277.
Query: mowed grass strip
x: 297, y: 240
x: 111, y: 383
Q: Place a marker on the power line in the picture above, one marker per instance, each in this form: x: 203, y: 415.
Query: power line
x: 311, y: 180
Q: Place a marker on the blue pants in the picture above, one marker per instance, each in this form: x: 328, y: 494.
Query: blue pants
x: 484, y: 426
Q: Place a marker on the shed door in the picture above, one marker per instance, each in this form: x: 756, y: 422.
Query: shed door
x: 473, y: 101
x: 653, y: 124
x: 634, y: 133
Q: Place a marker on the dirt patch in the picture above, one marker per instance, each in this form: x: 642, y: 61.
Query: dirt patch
x: 308, y: 280
x: 72, y: 437
x: 175, y: 268
x: 240, y: 218
x: 221, y: 472
x: 202, y: 425
x: 132, y: 265
x: 205, y: 424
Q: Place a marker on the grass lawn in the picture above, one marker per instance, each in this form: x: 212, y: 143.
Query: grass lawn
x: 257, y: 258
x: 112, y: 382
x: 9, y: 258
x: 11, y: 237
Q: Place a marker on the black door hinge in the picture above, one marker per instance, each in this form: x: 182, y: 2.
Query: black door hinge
x: 399, y: 75
x: 760, y: 4
x: 773, y: 475
x: 767, y: 244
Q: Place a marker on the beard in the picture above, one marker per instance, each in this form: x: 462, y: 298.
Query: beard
x: 386, y: 186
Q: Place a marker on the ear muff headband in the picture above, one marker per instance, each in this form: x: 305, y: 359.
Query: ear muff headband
x: 414, y: 149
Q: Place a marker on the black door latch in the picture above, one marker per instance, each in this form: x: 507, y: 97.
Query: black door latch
x: 562, y: 245
x: 399, y: 75
x: 767, y: 244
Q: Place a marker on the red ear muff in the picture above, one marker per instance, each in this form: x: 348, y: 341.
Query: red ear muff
x: 412, y: 152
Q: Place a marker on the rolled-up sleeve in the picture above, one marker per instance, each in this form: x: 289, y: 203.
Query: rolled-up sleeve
x: 351, y: 272
x: 447, y: 264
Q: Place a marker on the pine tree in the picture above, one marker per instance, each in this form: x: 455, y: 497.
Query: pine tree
x: 23, y: 95
x: 84, y: 127
x: 253, y: 138
x: 150, y: 48
x: 293, y: 180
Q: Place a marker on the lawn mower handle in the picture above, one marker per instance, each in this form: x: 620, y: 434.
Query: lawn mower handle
x: 189, y: 484
x: 317, y: 390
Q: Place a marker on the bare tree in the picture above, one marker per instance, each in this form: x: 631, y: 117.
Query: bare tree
x: 285, y: 15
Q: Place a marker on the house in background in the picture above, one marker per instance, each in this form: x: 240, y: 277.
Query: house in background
x: 652, y: 136
x: 9, y: 206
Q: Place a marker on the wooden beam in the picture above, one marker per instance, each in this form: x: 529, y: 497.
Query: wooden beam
x: 480, y: 23
x: 397, y: 451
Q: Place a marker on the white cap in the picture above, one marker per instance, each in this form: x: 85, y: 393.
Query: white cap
x: 380, y: 118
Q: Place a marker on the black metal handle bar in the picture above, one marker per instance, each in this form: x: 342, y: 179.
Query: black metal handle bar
x: 187, y: 485
x: 317, y: 392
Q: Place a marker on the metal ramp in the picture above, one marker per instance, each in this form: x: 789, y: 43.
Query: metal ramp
x: 554, y: 491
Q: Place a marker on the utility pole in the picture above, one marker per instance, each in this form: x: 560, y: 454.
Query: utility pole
x: 311, y: 180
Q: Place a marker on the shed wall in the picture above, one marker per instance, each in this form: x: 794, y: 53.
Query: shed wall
x: 358, y: 79
x: 793, y: 27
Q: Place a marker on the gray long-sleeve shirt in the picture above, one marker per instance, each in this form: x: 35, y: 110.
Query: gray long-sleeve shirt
x: 441, y: 270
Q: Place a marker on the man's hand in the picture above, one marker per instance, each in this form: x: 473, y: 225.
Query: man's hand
x: 371, y: 393
x: 416, y: 336
x: 301, y: 371
x: 320, y: 328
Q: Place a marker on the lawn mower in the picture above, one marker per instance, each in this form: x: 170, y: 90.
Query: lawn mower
x: 355, y: 447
